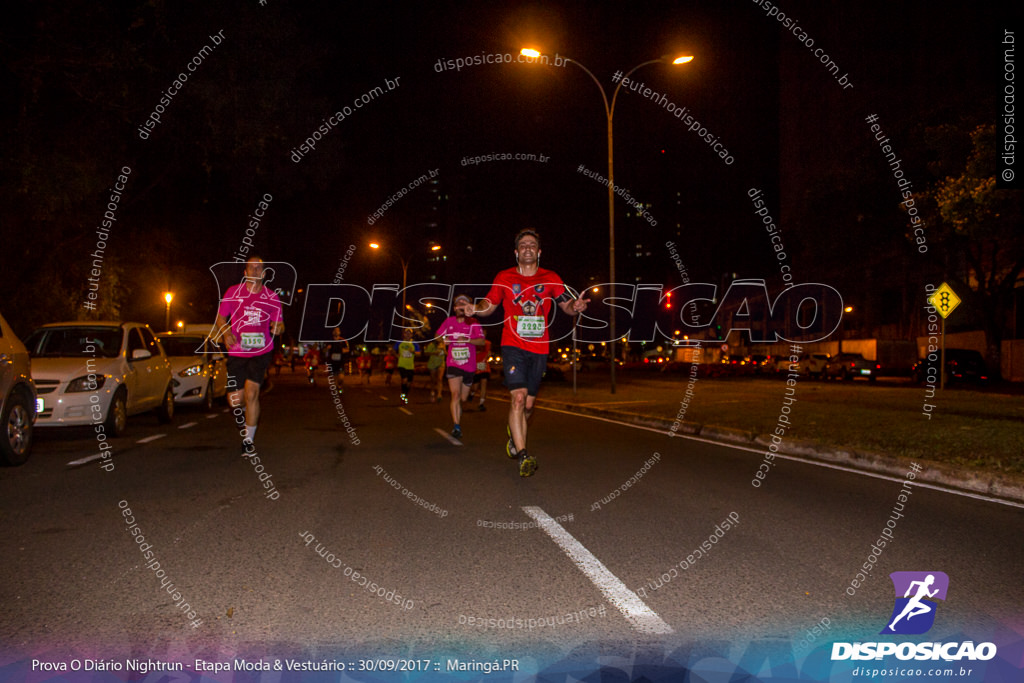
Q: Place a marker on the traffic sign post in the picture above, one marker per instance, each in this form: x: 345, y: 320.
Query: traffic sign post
x: 944, y: 300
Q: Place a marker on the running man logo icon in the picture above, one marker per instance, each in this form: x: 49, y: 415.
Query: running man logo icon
x: 914, y: 612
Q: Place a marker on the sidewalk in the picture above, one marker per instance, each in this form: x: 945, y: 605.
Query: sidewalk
x: 964, y: 439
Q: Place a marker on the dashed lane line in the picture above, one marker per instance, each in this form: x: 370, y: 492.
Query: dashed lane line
x: 642, y: 617
x: 86, y: 459
x: 447, y: 436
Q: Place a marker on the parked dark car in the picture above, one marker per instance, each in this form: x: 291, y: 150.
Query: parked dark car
x: 849, y: 366
x: 736, y: 364
x: 962, y: 365
x: 759, y: 363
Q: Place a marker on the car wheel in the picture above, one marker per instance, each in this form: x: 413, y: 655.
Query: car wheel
x: 165, y: 413
x: 117, y: 415
x: 17, y: 436
x: 208, y: 397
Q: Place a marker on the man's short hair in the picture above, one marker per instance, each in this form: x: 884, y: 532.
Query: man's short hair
x: 528, y: 232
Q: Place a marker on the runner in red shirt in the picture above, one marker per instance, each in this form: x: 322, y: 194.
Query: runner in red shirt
x: 526, y: 292
x: 390, y: 363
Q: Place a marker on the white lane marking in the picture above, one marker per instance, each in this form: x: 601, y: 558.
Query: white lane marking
x: 447, y: 436
x: 642, y: 617
x: 383, y: 398
x: 404, y: 410
x: 82, y: 461
x: 187, y: 425
x: 210, y: 417
x: 151, y: 438
x: 794, y: 458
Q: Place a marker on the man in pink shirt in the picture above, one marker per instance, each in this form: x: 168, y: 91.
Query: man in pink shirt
x: 249, y: 316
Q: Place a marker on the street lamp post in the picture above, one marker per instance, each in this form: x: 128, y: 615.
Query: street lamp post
x: 167, y: 316
x: 842, y: 331
x: 405, y: 268
x: 609, y: 110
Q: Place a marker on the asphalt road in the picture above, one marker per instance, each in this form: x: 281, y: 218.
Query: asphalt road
x: 449, y: 533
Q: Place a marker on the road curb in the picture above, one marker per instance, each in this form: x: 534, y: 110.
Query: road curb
x: 997, y: 486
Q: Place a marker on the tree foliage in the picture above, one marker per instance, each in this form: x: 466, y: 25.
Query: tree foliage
x: 980, y: 227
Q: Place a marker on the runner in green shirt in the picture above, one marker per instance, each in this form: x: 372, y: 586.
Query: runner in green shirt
x: 406, y: 362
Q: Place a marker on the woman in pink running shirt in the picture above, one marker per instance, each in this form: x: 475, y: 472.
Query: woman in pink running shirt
x: 462, y: 335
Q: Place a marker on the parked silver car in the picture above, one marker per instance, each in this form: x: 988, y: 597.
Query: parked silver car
x: 17, y: 398
x: 198, y: 366
x: 121, y: 364
x: 813, y: 364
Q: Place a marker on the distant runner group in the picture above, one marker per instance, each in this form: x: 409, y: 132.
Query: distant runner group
x: 249, y: 316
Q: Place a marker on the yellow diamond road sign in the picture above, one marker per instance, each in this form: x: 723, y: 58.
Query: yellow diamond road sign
x: 944, y: 300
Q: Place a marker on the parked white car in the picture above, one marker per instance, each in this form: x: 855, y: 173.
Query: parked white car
x: 813, y: 364
x: 121, y: 364
x: 17, y: 398
x: 198, y: 367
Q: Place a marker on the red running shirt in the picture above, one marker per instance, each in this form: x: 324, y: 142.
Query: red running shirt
x: 527, y: 301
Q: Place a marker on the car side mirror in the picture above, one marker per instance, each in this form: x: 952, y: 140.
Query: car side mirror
x: 141, y: 354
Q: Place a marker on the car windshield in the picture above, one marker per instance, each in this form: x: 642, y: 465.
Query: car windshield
x: 56, y: 342
x: 175, y: 345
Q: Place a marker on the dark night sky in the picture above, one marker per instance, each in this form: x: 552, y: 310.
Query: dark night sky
x: 85, y: 78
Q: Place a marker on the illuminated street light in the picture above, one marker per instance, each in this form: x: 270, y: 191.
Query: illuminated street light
x: 168, y: 296
x: 405, y: 266
x: 609, y: 110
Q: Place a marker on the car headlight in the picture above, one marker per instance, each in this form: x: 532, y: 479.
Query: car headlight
x: 192, y: 370
x: 86, y: 383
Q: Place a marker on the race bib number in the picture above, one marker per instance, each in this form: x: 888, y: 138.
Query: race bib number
x: 460, y: 353
x: 530, y: 326
x: 253, y: 340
